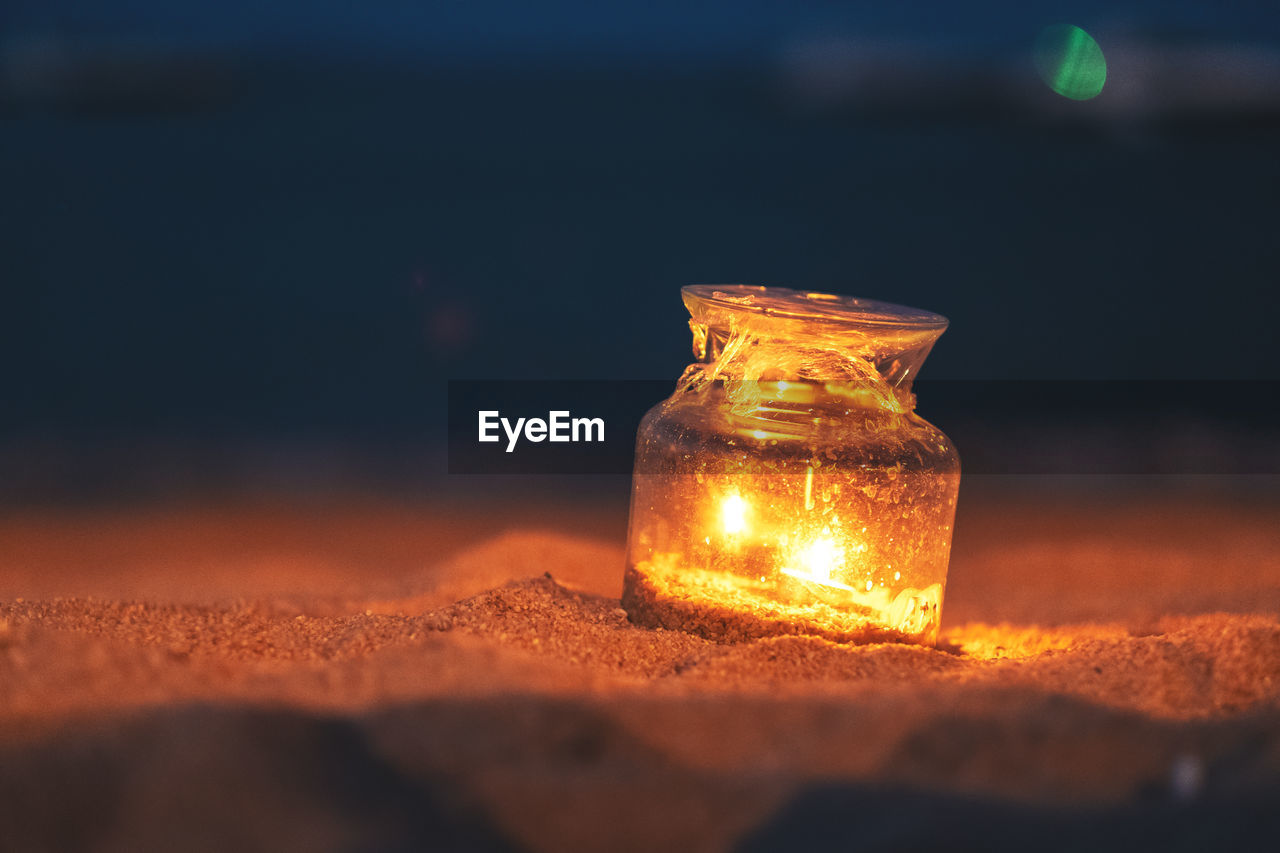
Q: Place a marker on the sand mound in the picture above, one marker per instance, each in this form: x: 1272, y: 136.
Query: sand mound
x: 501, y: 694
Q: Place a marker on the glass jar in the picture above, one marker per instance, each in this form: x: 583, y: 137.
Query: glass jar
x: 788, y: 486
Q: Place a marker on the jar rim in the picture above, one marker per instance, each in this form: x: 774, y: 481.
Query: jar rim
x: 784, y: 302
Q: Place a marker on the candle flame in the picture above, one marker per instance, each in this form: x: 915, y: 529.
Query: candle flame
x: 816, y: 561
x: 733, y: 515
x: 819, y: 558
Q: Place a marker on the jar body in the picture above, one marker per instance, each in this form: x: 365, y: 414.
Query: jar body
x: 814, y: 514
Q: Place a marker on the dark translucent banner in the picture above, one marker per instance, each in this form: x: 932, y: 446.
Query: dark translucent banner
x: 999, y: 427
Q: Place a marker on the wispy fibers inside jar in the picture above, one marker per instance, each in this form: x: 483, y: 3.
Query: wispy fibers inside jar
x: 788, y: 486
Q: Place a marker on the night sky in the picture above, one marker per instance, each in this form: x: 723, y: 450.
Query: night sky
x: 259, y: 221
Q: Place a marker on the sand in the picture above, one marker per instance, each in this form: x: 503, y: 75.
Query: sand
x: 730, y: 608
x: 380, y: 676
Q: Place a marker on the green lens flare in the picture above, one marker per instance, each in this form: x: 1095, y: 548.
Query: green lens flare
x: 1070, y: 62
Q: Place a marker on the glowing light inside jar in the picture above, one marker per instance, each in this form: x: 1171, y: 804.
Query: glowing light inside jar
x: 733, y: 515
x: 816, y: 561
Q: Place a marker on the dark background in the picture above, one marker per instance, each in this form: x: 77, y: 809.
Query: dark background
x: 250, y: 243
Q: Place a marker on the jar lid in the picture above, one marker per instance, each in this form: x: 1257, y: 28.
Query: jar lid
x: 827, y: 308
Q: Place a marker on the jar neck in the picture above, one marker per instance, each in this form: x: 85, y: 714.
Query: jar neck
x: 859, y: 366
x: 794, y: 410
x: 758, y: 403
x: 745, y: 332
x: 781, y: 363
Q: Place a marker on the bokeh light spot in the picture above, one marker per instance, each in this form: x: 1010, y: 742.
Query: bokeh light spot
x: 1070, y: 62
